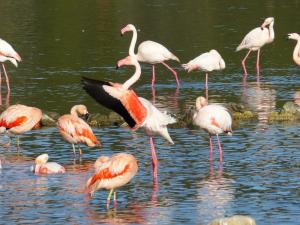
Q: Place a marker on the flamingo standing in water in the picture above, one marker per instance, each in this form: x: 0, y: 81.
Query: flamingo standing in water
x: 296, y: 52
x: 255, y: 39
x: 136, y: 111
x: 7, y: 53
x: 75, y: 130
x: 43, y: 167
x: 206, y: 62
x: 18, y: 119
x: 111, y: 173
x: 150, y: 52
x: 213, y: 118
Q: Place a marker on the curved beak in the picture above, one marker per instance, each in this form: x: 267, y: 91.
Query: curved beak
x: 86, y: 116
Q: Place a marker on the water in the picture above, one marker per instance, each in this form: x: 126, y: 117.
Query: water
x: 61, y: 41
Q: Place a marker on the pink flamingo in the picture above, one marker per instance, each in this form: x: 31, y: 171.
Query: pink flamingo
x: 207, y: 62
x: 112, y: 172
x: 150, y: 52
x: 18, y: 119
x: 136, y: 111
x: 44, y: 167
x: 255, y: 39
x: 75, y: 130
x: 296, y: 52
x: 213, y: 118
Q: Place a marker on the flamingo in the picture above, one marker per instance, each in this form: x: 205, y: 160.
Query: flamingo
x: 206, y: 62
x: 112, y: 172
x: 18, y: 119
x: 214, y: 119
x: 256, y: 39
x: 296, y: 52
x: 75, y: 130
x: 150, y: 52
x: 43, y: 167
x: 136, y: 111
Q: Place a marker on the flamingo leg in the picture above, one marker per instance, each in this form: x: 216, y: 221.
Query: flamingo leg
x: 244, y: 62
x: 115, y: 199
x: 154, y: 159
x: 211, y: 149
x: 153, y: 76
x: 220, y: 149
x: 206, y: 85
x: 7, y: 80
x: 74, y: 150
x: 80, y: 151
x: 257, y: 65
x: 173, y: 71
x: 109, y: 197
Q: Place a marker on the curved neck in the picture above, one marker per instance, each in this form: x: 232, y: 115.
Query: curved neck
x: 134, y: 77
x: 296, y: 53
x: 74, y: 111
x: 271, y: 31
x: 133, y: 42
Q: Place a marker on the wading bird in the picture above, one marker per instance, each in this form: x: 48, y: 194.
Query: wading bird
x: 150, y: 52
x: 255, y: 39
x: 43, y: 167
x: 75, y: 130
x: 296, y: 52
x: 18, y: 119
x: 111, y: 173
x: 214, y: 119
x: 207, y: 62
x: 136, y: 111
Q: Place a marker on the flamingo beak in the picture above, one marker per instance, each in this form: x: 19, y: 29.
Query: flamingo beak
x: 86, y: 116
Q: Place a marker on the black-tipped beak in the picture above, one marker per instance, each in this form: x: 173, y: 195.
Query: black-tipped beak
x: 86, y: 116
x: 117, y: 67
x: 261, y: 28
x: 287, y: 37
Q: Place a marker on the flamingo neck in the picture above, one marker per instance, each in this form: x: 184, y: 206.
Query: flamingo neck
x: 296, y: 53
x: 134, y: 77
x: 271, y: 32
x: 133, y: 42
x: 74, y: 111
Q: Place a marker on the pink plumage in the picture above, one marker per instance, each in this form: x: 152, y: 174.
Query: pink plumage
x: 44, y: 167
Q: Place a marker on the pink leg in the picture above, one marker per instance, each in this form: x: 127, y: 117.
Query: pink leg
x: 206, y: 85
x: 154, y: 160
x: 244, y: 62
x: 220, y: 149
x: 211, y: 149
x: 153, y: 76
x: 173, y: 71
x: 7, y: 80
x: 8, y: 98
x: 257, y: 65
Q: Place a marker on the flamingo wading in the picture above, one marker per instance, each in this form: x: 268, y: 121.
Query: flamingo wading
x: 296, y: 52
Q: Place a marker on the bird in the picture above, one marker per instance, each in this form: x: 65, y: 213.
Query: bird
x: 296, y: 52
x: 7, y: 53
x: 213, y: 118
x: 43, y: 167
x: 136, y: 111
x: 150, y: 52
x: 18, y: 119
x: 207, y: 62
x: 256, y: 39
x: 111, y: 173
x: 75, y: 130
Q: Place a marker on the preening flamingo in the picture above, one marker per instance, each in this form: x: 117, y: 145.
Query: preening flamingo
x: 213, y: 118
x: 255, y: 39
x: 150, y: 52
x: 43, y: 167
x: 136, y: 111
x: 75, y: 130
x: 112, y: 172
x: 18, y: 119
x: 207, y: 62
x: 296, y: 52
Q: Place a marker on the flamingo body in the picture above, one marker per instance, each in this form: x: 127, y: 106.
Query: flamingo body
x: 8, y: 52
x: 44, y: 167
x: 296, y: 52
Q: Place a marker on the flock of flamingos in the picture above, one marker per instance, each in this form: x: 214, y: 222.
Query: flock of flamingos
x: 117, y: 170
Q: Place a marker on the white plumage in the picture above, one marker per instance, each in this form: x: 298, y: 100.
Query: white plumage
x: 7, y: 52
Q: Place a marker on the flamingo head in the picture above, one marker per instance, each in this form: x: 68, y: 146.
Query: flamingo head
x: 201, y: 102
x: 80, y: 110
x: 293, y: 36
x: 100, y: 160
x: 267, y: 22
x: 128, y: 27
x: 129, y: 60
x: 41, y: 159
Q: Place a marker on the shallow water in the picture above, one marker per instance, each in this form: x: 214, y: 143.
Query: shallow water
x: 62, y: 41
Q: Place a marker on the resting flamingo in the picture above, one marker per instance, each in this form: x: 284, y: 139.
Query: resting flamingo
x: 43, y: 167
x: 18, y: 119
x: 136, y: 111
x: 75, y: 130
x: 256, y: 39
x: 296, y: 52
x: 150, y: 52
x: 207, y: 62
x: 112, y: 172
x: 214, y: 119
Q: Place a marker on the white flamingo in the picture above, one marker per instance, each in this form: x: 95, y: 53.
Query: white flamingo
x: 136, y: 111
x: 213, y: 118
x: 150, y: 52
x: 207, y: 62
x: 255, y: 39
x: 296, y: 52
